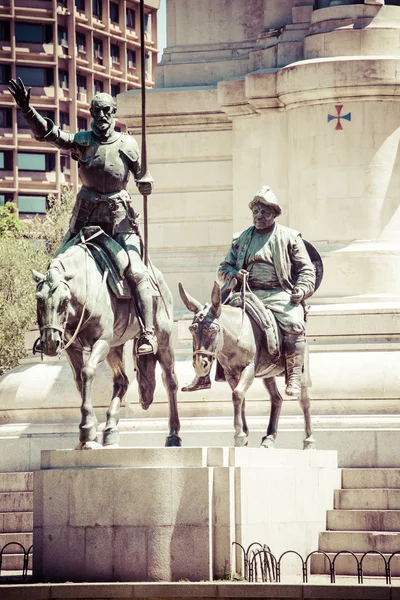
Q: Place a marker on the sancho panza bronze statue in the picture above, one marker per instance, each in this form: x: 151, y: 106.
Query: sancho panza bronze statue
x: 106, y: 158
x: 274, y: 263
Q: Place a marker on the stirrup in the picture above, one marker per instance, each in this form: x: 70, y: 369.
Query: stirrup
x: 146, y: 343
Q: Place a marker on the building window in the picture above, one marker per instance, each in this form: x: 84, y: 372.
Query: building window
x: 114, y: 12
x: 130, y: 18
x: 131, y: 56
x: 4, y: 198
x: 82, y: 124
x: 146, y: 23
x: 63, y: 81
x: 80, y: 5
x: 22, y: 124
x: 62, y: 36
x: 97, y: 8
x: 64, y: 119
x: 5, y: 74
x: 36, y: 76
x: 5, y: 35
x: 32, y: 204
x: 36, y: 161
x: 98, y: 86
x: 6, y: 161
x: 80, y: 42
x: 115, y: 90
x: 114, y: 51
x: 63, y: 2
x: 65, y: 163
x: 33, y: 33
x: 98, y: 50
x: 81, y: 83
x: 5, y: 117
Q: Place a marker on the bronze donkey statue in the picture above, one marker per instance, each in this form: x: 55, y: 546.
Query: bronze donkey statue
x: 227, y: 334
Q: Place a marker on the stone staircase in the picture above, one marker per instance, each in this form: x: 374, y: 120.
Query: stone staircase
x: 366, y: 517
x: 16, y: 518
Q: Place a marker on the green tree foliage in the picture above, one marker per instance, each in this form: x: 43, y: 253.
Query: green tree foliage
x: 10, y: 225
x: 17, y: 292
x: 54, y: 225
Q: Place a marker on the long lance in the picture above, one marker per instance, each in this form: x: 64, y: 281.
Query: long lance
x: 145, y: 175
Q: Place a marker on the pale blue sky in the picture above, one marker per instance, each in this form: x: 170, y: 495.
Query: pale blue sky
x: 162, y: 28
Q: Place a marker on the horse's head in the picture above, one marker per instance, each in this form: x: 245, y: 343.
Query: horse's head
x: 205, y: 329
x: 53, y: 298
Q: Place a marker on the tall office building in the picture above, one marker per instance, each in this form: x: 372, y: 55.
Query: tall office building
x: 66, y: 51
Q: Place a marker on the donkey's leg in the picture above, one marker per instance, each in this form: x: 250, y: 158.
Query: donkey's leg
x: 166, y: 359
x: 88, y: 425
x: 304, y: 400
x: 239, y: 386
x: 268, y: 441
x: 115, y: 361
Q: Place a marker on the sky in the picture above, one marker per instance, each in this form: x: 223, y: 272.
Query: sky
x: 162, y: 27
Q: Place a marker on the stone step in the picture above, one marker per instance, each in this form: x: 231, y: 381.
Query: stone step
x: 347, y: 565
x: 16, y: 522
x: 16, y: 501
x: 359, y: 541
x: 363, y: 520
x: 370, y: 478
x: 25, y: 539
x: 16, y: 482
x: 379, y: 499
x: 14, y: 562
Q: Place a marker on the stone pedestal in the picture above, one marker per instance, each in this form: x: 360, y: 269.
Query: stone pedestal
x: 166, y: 514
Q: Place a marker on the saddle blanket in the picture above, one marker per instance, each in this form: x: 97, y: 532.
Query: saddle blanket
x: 111, y: 259
x: 263, y: 317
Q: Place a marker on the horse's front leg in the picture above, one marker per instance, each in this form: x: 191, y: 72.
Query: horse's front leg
x: 88, y: 425
x: 239, y: 386
x: 166, y: 359
x: 115, y: 360
x: 268, y: 441
x: 304, y: 400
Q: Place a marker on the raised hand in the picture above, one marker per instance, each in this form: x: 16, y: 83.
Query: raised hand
x: 20, y: 93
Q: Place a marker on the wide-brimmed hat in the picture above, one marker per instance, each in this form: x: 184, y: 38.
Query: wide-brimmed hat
x: 266, y: 196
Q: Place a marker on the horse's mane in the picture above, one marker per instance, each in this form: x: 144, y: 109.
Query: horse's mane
x: 59, y: 259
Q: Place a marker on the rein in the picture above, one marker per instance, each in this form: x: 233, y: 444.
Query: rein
x: 63, y: 329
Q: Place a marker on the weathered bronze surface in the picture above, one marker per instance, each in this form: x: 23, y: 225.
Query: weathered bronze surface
x: 73, y: 296
x: 261, y: 333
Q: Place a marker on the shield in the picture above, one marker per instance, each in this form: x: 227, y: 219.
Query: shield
x: 316, y: 261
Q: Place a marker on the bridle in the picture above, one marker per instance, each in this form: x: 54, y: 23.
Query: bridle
x: 200, y: 319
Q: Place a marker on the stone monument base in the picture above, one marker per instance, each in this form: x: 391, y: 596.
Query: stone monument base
x: 167, y: 514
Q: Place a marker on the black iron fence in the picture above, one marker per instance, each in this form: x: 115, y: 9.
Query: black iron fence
x: 260, y: 564
x: 20, y: 551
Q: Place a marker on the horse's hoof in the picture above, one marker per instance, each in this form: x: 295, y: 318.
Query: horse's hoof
x: 88, y: 432
x: 241, y: 441
x: 93, y: 445
x: 267, y: 442
x: 173, y: 441
x: 309, y: 444
x: 111, y: 437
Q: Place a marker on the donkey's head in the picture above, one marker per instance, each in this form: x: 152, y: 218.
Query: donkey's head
x: 205, y: 329
x: 53, y: 298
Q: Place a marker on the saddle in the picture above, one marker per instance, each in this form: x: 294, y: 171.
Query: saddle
x: 262, y: 317
x: 111, y: 258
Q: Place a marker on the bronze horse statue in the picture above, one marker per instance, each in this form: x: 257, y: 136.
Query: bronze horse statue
x: 76, y: 312
x: 227, y: 334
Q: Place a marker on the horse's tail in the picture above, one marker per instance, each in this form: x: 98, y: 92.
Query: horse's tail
x: 146, y: 378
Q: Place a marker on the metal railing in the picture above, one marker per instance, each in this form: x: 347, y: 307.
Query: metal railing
x: 260, y: 564
x: 25, y: 556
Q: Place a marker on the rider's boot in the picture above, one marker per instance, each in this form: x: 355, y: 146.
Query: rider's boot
x: 198, y: 383
x: 294, y: 347
x: 147, y: 341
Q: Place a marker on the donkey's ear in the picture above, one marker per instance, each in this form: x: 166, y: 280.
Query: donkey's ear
x: 36, y: 276
x: 190, y: 303
x: 216, y: 299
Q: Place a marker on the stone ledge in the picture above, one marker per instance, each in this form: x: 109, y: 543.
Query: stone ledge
x: 183, y: 590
